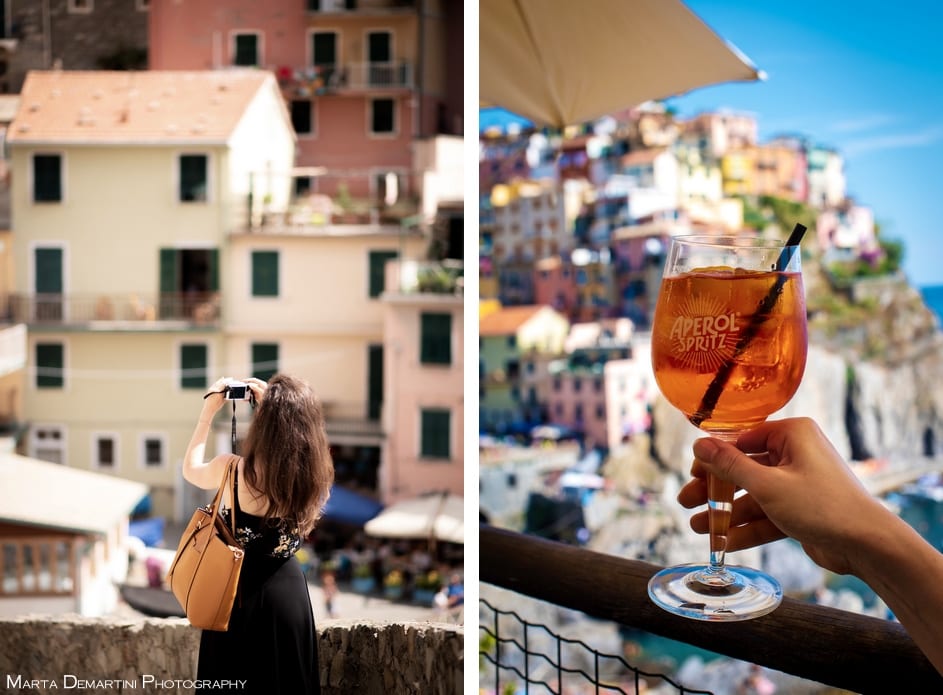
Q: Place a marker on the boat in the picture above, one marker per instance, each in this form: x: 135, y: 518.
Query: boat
x: 152, y: 601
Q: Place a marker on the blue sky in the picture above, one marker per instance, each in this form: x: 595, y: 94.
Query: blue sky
x: 863, y: 77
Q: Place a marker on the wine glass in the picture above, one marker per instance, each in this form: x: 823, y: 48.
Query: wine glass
x: 729, y: 348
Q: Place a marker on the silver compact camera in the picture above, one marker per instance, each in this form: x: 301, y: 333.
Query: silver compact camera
x: 237, y: 391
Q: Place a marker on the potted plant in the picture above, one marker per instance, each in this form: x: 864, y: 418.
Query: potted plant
x: 393, y: 585
x: 427, y: 584
x: 362, y: 579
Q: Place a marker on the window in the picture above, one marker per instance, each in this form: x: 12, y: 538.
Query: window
x: 42, y: 565
x: 194, y: 359
x: 301, y: 116
x: 264, y: 360
x: 47, y: 178
x: 382, y: 121
x: 324, y: 49
x: 435, y: 339
x: 153, y: 451
x: 80, y: 6
x: 434, y: 438
x: 50, y: 363
x: 246, y: 50
x: 47, y: 443
x: 378, y: 260
x: 105, y: 451
x: 265, y: 273
x: 194, y: 178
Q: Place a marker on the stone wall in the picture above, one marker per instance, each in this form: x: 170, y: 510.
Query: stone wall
x: 108, y: 655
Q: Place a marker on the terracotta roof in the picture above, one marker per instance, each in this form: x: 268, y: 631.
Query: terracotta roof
x: 508, y: 320
x: 641, y: 157
x: 149, y: 107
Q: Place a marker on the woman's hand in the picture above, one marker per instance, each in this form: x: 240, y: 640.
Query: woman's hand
x: 214, y: 400
x: 797, y: 485
x: 257, y: 386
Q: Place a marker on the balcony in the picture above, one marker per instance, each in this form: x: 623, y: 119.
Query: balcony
x: 445, y: 278
x: 317, y: 80
x: 361, y: 7
x: 127, y: 311
x: 825, y: 645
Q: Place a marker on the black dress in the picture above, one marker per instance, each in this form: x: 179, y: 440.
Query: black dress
x: 270, y: 643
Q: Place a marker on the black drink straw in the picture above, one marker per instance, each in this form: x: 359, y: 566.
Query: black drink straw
x: 709, y: 401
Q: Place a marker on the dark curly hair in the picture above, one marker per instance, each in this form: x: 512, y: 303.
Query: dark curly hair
x: 287, y: 457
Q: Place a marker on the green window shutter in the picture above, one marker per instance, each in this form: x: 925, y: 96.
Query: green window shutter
x: 264, y: 360
x: 47, y: 178
x: 374, y: 381
x: 168, y: 270
x: 378, y: 261
x: 50, y: 361
x: 265, y: 273
x: 435, y: 424
x: 48, y: 270
x: 193, y: 363
x: 193, y: 178
x: 214, y: 270
x: 435, y: 338
x: 246, y: 50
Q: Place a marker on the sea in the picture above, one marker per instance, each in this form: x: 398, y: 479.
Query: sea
x: 933, y: 296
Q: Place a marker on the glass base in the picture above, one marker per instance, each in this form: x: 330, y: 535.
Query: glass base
x: 702, y: 593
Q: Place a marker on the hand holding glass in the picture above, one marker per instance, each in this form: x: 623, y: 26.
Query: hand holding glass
x: 729, y: 348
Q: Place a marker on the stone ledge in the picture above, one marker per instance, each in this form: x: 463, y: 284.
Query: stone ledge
x: 119, y: 655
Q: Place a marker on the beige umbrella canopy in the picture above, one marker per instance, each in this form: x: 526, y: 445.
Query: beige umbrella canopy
x: 435, y: 517
x: 563, y: 62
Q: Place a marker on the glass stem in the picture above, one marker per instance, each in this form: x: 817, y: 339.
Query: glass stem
x: 719, y: 508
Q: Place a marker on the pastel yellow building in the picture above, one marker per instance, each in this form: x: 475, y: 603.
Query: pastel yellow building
x: 124, y: 188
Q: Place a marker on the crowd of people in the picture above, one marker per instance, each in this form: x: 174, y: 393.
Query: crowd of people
x: 412, y: 570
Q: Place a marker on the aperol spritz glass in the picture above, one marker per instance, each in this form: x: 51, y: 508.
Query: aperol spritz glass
x: 729, y: 344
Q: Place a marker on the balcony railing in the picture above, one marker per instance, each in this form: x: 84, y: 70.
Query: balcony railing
x: 563, y: 668
x: 393, y: 74
x: 193, y: 309
x: 327, y: 78
x: 826, y: 645
x: 360, y: 6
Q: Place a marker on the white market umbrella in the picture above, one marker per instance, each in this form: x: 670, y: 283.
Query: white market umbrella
x: 564, y: 62
x: 436, y: 517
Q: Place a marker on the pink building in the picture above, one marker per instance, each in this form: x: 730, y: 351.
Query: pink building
x: 363, y: 79
x: 423, y: 365
x: 604, y: 385
x: 555, y: 284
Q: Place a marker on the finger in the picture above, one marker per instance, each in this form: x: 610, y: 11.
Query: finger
x: 693, y: 494
x: 753, y: 534
x: 728, y: 463
x: 745, y: 510
x: 742, y: 536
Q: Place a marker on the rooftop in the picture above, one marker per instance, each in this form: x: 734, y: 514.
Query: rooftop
x: 151, y: 107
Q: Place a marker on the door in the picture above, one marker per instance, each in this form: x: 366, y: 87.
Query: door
x: 380, y: 59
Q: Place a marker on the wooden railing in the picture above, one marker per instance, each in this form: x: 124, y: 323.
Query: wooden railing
x: 829, y: 646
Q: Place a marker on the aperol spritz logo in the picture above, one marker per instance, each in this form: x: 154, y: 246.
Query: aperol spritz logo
x: 703, y: 334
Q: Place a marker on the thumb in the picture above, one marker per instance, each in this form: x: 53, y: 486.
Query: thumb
x: 727, y: 462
